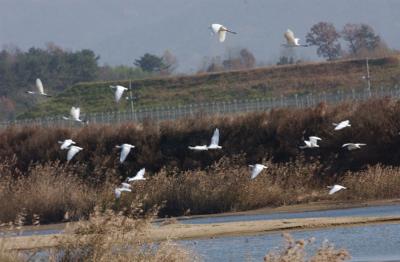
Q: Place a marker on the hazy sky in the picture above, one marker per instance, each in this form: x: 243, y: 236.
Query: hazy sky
x: 122, y: 30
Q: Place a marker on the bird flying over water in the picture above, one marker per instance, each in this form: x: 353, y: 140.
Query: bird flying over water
x: 291, y: 40
x: 221, y: 31
x: 256, y: 170
x: 125, y: 149
x: 341, y: 125
x: 40, y: 89
x: 119, y: 90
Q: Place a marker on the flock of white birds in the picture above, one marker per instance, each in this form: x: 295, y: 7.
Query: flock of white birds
x: 256, y: 169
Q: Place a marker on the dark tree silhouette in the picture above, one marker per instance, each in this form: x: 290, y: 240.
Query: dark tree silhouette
x: 150, y: 63
x: 326, y: 38
x: 360, y: 37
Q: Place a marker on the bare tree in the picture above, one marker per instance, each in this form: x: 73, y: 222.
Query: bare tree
x: 326, y: 38
x: 170, y: 62
x: 360, y: 38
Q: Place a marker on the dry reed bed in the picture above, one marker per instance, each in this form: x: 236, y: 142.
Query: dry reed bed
x: 274, y: 135
x: 35, y: 179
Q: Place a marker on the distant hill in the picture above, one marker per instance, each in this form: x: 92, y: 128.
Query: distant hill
x: 244, y: 84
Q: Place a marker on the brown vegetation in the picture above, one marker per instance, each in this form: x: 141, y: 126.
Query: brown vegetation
x: 36, y: 180
x: 294, y: 250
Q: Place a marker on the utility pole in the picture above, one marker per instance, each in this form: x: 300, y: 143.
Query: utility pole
x: 131, y: 95
x: 368, y: 78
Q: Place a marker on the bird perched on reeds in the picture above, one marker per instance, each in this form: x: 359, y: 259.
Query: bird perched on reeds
x: 341, y: 125
x: 125, y: 149
x: 119, y: 90
x: 40, y: 89
x: 256, y: 170
x: 311, y: 142
x: 335, y: 188
x: 221, y: 31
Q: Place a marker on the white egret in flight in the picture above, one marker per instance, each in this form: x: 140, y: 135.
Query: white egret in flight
x: 74, y: 115
x: 125, y: 149
x: 221, y: 31
x: 118, y: 191
x: 352, y: 146
x: 66, y: 143
x: 215, y: 140
x: 311, y: 142
x: 213, y: 145
x: 292, y: 41
x: 119, y: 90
x: 73, y: 150
x: 40, y: 89
x: 256, y: 170
x: 341, y: 125
x: 139, y: 176
x: 335, y: 188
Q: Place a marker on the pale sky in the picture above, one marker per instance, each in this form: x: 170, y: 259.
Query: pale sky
x: 122, y: 30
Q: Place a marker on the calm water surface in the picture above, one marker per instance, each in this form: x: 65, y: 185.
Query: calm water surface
x: 390, y: 210
x: 365, y: 243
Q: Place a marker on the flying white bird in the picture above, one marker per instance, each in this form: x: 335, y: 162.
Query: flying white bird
x: 215, y: 140
x: 221, y: 31
x: 352, y: 146
x: 118, y: 191
x: 125, y: 185
x: 125, y: 149
x: 198, y: 148
x: 66, y: 143
x: 335, y: 189
x: 73, y: 150
x: 119, y: 90
x: 213, y: 145
x: 39, y: 87
x: 139, y: 176
x: 292, y: 41
x: 74, y: 115
x: 311, y: 143
x: 342, y: 125
x: 256, y: 170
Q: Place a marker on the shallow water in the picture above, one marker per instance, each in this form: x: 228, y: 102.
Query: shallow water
x: 365, y: 243
x: 390, y: 210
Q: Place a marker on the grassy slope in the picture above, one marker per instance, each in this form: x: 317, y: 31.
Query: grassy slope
x: 260, y: 82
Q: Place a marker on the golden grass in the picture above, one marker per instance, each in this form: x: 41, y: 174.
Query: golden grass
x: 295, y: 250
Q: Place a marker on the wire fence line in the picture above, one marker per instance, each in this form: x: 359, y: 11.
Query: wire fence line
x: 213, y: 108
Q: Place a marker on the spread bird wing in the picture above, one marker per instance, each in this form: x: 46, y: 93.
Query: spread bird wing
x: 289, y: 35
x: 39, y: 86
x: 215, y: 137
x: 118, y: 93
x: 124, y: 153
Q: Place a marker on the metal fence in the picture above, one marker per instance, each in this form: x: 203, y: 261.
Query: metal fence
x: 215, y: 108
